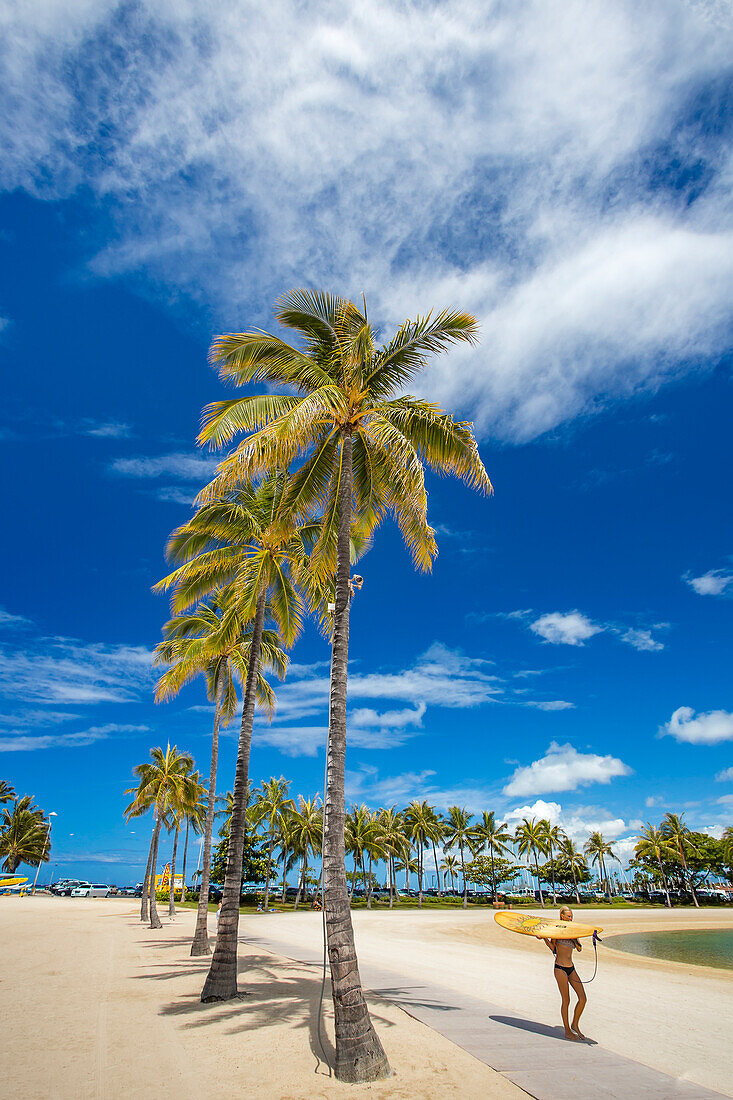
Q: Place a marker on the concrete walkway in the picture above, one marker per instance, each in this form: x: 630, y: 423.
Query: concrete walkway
x: 532, y: 1055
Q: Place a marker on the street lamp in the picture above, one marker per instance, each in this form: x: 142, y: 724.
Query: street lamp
x: 48, y: 837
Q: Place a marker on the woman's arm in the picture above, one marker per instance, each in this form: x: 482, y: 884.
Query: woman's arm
x: 578, y: 945
x: 549, y: 943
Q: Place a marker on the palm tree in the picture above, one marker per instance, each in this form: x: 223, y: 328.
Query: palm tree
x: 306, y: 824
x: 406, y: 864
x: 653, y: 844
x: 394, y: 842
x: 186, y: 803
x: 434, y: 834
x: 450, y: 867
x: 598, y: 849
x: 419, y: 819
x: 553, y: 837
x: 7, y: 793
x: 285, y: 840
x: 675, y: 831
x: 210, y: 641
x: 574, y: 860
x: 458, y: 831
x: 270, y: 806
x: 365, y: 447
x: 162, y: 787
x: 246, y: 538
x: 195, y: 818
x: 359, y: 834
x: 494, y: 837
x: 529, y: 837
x: 23, y: 834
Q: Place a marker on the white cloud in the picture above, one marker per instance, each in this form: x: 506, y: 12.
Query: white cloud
x: 715, y: 582
x: 365, y: 717
x: 577, y: 822
x: 176, y: 494
x: 107, y: 429
x: 8, y: 619
x: 23, y: 743
x: 726, y: 776
x: 537, y: 210
x: 186, y: 467
x: 66, y: 671
x: 549, y: 704
x: 565, y: 628
x: 642, y: 640
x: 563, y: 768
x: 310, y: 740
x: 705, y: 729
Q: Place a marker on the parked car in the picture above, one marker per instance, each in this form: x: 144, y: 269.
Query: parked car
x: 90, y: 890
x: 63, y: 888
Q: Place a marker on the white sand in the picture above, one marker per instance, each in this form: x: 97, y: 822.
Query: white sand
x: 94, y: 1004
x: 673, y: 1017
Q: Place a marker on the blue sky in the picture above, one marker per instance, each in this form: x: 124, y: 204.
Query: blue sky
x: 565, y: 173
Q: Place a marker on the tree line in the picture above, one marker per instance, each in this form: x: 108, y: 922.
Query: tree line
x: 25, y: 831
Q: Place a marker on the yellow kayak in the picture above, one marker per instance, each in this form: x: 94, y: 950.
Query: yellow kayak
x: 545, y: 927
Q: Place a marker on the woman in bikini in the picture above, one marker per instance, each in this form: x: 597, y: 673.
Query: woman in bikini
x: 566, y: 976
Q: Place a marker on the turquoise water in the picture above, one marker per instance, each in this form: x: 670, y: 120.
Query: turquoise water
x: 702, y: 947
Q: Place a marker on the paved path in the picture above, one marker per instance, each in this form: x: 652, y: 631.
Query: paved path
x: 534, y: 1056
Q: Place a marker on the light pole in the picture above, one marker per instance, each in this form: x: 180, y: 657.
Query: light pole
x: 45, y: 845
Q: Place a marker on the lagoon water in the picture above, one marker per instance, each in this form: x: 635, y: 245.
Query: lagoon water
x: 700, y: 947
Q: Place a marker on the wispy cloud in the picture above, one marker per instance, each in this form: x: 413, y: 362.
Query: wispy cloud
x: 563, y: 768
x: 185, y: 467
x: 575, y: 628
x: 702, y: 729
x: 67, y: 671
x: 716, y: 582
x: 726, y: 776
x: 7, y: 619
x: 24, y: 743
x: 562, y: 209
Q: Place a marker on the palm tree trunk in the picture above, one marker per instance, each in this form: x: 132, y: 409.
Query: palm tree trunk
x: 185, y: 853
x: 359, y: 1053
x: 465, y: 884
x: 437, y: 872
x: 301, y: 883
x: 575, y: 885
x: 146, y: 881
x: 267, y: 873
x: 369, y: 886
x: 200, y: 944
x: 285, y: 873
x: 493, y: 873
x: 354, y: 873
x: 688, y: 878
x: 664, y: 883
x: 420, y: 860
x: 539, y: 884
x: 221, y: 981
x: 390, y: 872
x: 552, y: 872
x: 172, y: 894
x: 155, y: 921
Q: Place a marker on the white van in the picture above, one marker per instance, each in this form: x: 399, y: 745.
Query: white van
x: 90, y: 890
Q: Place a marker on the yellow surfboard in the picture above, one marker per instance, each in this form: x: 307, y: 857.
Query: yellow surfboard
x: 7, y: 882
x: 528, y: 925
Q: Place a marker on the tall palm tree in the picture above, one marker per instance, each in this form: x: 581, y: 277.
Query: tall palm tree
x: 306, y: 823
x: 185, y: 803
x: 434, y: 835
x: 553, y: 839
x: 212, y: 641
x: 654, y: 845
x: 271, y: 804
x: 450, y: 868
x: 419, y: 819
x: 358, y: 832
x: 23, y: 834
x: 394, y: 842
x: 247, y: 539
x: 458, y: 832
x: 195, y: 818
x: 364, y: 446
x: 529, y: 836
x: 285, y: 840
x: 492, y: 837
x: 598, y: 850
x: 574, y: 860
x: 161, y: 787
x: 676, y: 832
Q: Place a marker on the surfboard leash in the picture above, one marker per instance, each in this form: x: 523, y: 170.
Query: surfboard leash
x: 596, y: 940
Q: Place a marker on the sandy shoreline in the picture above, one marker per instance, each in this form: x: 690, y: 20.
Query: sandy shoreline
x: 94, y: 1004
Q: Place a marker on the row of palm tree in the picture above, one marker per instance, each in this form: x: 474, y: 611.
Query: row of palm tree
x: 670, y: 847
x: 320, y: 463
x: 24, y: 831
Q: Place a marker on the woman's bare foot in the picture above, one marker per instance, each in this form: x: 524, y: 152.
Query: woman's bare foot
x: 571, y: 1035
x: 578, y: 1032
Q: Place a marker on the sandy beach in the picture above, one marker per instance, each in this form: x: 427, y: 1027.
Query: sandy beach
x: 94, y: 1004
x: 670, y: 1016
